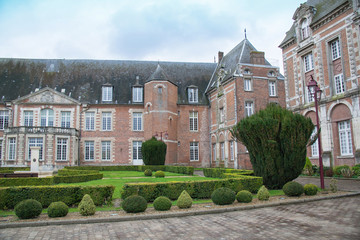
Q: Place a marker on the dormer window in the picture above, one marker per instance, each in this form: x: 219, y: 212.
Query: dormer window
x: 271, y: 74
x: 305, y: 31
x: 107, y: 93
x: 247, y: 71
x: 193, y: 95
x: 137, y: 94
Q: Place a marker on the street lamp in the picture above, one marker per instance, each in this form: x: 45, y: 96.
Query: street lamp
x: 166, y: 135
x: 314, y: 90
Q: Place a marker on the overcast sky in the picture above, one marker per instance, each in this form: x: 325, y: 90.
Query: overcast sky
x: 165, y: 30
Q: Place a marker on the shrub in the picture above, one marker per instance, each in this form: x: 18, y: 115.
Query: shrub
x: 356, y: 169
x: 153, y: 152
x: 308, y: 168
x: 159, y: 174
x: 347, y: 172
x: 26, y: 181
x: 338, y: 169
x: 29, y: 208
x: 87, y: 206
x: 244, y: 196
x: 226, y: 173
x: 58, y: 209
x: 196, y: 189
x: 184, y: 200
x: 134, y: 204
x: 162, y: 203
x: 276, y: 139
x: 310, y: 189
x: 329, y: 172
x: 148, y: 172
x: 223, y: 196
x: 333, y: 185
x: 293, y: 189
x: 263, y: 194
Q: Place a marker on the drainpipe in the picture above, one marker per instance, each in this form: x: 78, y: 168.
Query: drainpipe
x: 86, y: 107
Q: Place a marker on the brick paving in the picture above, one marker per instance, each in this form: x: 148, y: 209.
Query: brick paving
x: 327, y: 219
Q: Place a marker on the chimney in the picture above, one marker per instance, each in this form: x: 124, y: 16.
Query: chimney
x: 257, y: 57
x: 220, y: 56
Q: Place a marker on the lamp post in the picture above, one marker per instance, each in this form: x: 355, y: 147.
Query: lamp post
x: 314, y: 90
x: 161, y: 133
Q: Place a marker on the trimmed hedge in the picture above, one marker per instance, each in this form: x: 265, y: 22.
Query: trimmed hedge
x: 196, y: 189
x: 77, y: 178
x: 28, y: 181
x: 175, y: 169
x: 70, y: 195
x: 7, y: 171
x: 15, y: 168
x: 71, y: 172
x: 225, y: 173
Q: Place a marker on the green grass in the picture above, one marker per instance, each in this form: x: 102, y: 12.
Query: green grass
x: 117, y: 179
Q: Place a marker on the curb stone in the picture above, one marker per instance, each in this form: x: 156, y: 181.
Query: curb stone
x: 172, y: 215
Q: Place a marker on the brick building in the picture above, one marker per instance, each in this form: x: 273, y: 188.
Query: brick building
x: 91, y: 112
x: 323, y: 43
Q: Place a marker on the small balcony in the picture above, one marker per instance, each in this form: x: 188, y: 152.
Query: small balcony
x: 42, y: 130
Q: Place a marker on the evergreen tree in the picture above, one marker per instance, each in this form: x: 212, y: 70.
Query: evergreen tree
x: 276, y: 140
x: 153, y: 152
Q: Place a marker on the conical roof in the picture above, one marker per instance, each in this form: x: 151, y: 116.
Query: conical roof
x: 159, y: 75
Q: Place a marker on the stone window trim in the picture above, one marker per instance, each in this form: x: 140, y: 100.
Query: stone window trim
x: 47, y: 117
x: 106, y: 121
x: 137, y: 121
x: 248, y: 84
x: 89, y: 121
x: 106, y: 150
x: 194, y: 151
x: 136, y: 153
x: 335, y: 49
x: 304, y: 29
x: 4, y: 119
x: 35, y: 141
x: 345, y: 138
x: 28, y: 118
x: 339, y: 84
x: 62, y: 149
x: 65, y: 119
x: 232, y: 150
x: 308, y: 61
x: 272, y: 84
x: 11, y: 148
x: 89, y: 150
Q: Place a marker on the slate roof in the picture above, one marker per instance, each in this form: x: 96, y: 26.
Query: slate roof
x: 238, y: 55
x: 323, y: 8
x: 82, y: 79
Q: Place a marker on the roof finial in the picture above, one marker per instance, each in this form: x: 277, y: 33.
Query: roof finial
x: 245, y: 33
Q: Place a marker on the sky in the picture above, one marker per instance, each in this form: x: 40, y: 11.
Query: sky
x: 155, y: 30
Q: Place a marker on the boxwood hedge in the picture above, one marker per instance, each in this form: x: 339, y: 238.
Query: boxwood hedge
x: 70, y: 195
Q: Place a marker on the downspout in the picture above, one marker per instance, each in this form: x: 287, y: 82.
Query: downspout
x: 86, y: 107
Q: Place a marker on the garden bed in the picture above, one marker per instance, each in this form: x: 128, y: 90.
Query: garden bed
x: 201, y: 208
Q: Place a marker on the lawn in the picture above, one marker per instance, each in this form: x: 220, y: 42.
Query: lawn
x: 119, y: 178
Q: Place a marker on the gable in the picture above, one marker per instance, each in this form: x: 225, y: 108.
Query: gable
x: 47, y: 96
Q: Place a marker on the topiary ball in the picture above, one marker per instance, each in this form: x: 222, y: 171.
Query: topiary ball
x: 184, y: 200
x: 263, y: 194
x: 87, y: 206
x: 223, y: 196
x: 159, y: 174
x: 134, y: 204
x: 162, y: 203
x: 310, y: 189
x: 244, y: 196
x: 293, y: 189
x: 148, y: 172
x: 29, y: 208
x: 57, y: 209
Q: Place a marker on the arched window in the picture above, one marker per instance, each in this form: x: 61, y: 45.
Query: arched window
x: 47, y: 118
x: 305, y: 29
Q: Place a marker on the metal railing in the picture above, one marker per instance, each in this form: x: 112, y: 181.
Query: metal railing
x: 42, y: 130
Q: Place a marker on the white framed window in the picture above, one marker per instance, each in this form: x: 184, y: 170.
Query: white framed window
x: 89, y: 121
x: 339, y: 83
x: 137, y: 121
x: 193, y: 95
x: 137, y: 94
x: 308, y: 62
x: 232, y: 151
x: 194, y: 151
x: 193, y: 121
x: 105, y: 150
x: 47, y: 118
x: 106, y: 121
x: 4, y: 119
x: 315, y: 145
x: 335, y: 49
x: 65, y: 119
x: 107, y: 93
x: 61, y: 149
x: 222, y: 115
x: 89, y: 150
x: 12, y: 148
x: 249, y: 108
x: 28, y: 118
x: 137, y: 150
x: 35, y: 142
x: 247, y: 84
x: 272, y: 88
x: 305, y: 31
x: 222, y: 151
x: 214, y: 151
x: 345, y: 138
